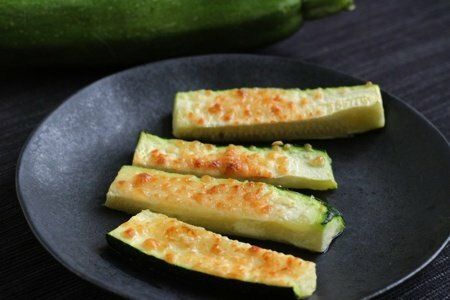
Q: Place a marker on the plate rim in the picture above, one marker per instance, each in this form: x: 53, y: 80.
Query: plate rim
x: 115, y: 290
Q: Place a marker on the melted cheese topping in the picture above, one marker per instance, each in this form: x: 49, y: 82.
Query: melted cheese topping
x: 208, y: 195
x: 197, y: 249
x: 247, y: 106
x: 282, y: 164
x: 231, y: 161
x: 222, y: 196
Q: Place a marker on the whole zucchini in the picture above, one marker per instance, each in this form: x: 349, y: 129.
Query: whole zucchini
x: 117, y: 32
x: 312, y: 9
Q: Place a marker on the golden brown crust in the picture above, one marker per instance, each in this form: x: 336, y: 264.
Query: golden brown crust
x: 231, y: 161
x: 232, y: 195
x: 259, y: 105
x: 186, y: 245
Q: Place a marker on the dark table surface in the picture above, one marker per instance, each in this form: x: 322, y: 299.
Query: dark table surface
x: 403, y: 45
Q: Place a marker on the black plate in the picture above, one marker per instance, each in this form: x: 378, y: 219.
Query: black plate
x: 393, y: 183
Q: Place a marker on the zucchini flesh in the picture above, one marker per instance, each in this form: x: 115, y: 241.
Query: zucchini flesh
x: 196, y: 249
x: 287, y: 166
x: 251, y: 209
x: 267, y: 114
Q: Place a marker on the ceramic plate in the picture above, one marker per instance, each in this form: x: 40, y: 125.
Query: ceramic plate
x: 393, y: 183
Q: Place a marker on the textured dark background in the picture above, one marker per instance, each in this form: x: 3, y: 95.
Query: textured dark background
x: 403, y: 45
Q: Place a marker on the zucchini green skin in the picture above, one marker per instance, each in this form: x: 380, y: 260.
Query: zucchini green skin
x: 119, y: 32
x: 249, y: 209
x: 145, y: 263
x: 313, y: 9
x: 286, y: 165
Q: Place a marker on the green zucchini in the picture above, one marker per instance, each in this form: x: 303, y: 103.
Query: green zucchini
x: 158, y: 237
x: 283, y: 165
x: 267, y: 114
x: 312, y: 9
x: 251, y: 209
x: 118, y: 32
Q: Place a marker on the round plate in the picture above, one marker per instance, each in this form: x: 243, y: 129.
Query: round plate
x: 393, y: 183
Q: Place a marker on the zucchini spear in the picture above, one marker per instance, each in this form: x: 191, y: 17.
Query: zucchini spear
x: 267, y: 114
x: 156, y: 237
x: 284, y: 165
x: 251, y: 209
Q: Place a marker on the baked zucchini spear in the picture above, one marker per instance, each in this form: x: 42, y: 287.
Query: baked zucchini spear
x: 268, y: 114
x: 246, y: 208
x: 284, y: 165
x: 157, y: 237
